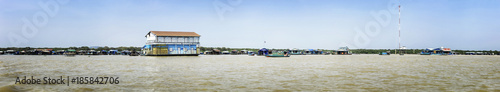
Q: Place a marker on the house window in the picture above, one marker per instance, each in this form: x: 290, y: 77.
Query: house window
x: 161, y: 39
x: 181, y: 39
x: 168, y: 39
x: 174, y: 39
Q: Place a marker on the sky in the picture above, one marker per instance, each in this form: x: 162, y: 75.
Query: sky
x: 303, y: 24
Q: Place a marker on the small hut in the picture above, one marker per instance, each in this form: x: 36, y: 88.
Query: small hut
x: 263, y: 51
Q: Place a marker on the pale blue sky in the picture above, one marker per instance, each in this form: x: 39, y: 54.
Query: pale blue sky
x: 305, y: 24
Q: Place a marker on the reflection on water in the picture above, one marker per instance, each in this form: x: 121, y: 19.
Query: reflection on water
x: 250, y: 73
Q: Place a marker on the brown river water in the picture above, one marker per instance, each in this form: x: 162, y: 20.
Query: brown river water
x: 256, y: 73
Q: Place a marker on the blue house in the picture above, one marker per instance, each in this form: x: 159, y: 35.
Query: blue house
x: 436, y: 51
x: 171, y: 43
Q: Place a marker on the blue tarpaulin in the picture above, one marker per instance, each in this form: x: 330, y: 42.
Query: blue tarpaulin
x: 263, y: 51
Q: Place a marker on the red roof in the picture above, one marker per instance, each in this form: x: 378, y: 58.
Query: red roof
x: 174, y: 33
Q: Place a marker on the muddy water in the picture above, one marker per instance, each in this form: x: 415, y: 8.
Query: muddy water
x: 250, y: 73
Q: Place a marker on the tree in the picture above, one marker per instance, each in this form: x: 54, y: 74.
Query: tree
x: 27, y: 48
x: 73, y: 48
x: 100, y: 48
x: 84, y: 48
x: 202, y: 49
x: 131, y: 48
x: 106, y: 48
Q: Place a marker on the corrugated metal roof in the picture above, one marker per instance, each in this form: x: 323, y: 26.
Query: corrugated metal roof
x: 174, y: 33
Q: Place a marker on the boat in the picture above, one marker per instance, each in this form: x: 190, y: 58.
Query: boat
x: 1, y: 52
x: 10, y: 52
x: 70, y: 52
x: 58, y: 52
x: 251, y: 53
x: 134, y: 53
x: 234, y: 52
x: 385, y: 53
x: 243, y: 52
x: 207, y: 52
x: 279, y: 53
x: 296, y: 52
x: 22, y: 53
x: 46, y: 51
x: 125, y: 52
x: 225, y: 52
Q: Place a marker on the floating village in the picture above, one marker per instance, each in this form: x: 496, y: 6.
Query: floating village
x: 174, y: 43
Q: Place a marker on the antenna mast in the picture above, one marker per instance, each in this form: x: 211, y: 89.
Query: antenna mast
x: 399, y: 28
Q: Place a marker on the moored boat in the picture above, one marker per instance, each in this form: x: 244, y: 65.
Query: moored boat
x: 296, y: 52
x: 279, y: 53
x: 385, y: 53
x: 251, y: 53
x: 70, y: 52
x: 243, y: 52
x: 225, y: 52
x: 134, y: 53
x: 234, y: 52
x: 10, y: 52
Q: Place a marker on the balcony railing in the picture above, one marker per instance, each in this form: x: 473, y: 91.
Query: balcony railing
x: 172, y: 42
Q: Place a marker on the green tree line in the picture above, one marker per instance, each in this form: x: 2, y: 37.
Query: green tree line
x: 121, y: 48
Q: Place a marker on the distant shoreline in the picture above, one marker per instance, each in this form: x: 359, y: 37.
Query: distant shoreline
x: 203, y: 49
